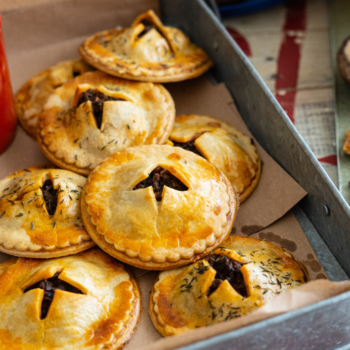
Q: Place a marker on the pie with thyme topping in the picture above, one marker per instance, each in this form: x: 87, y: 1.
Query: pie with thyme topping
x: 40, y: 213
x: 95, y: 115
x: 158, y: 207
x: 242, y: 275
x: 222, y: 145
x: 33, y: 95
x: 83, y: 301
x: 147, y: 51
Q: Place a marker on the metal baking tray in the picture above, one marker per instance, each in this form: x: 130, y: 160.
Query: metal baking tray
x: 323, y: 214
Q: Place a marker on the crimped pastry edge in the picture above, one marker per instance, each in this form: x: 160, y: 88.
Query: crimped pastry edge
x: 152, y: 265
x: 154, y: 315
x: 86, y: 170
x: 185, y: 74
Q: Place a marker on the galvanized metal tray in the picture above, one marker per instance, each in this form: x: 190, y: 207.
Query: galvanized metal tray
x: 323, y: 214
x: 339, y: 11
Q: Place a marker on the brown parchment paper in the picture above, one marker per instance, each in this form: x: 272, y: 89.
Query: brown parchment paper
x: 44, y: 34
x: 287, y: 233
x: 276, y: 191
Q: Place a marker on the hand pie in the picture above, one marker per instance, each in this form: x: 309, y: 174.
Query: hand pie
x: 158, y: 207
x: 32, y: 96
x: 148, y: 51
x: 83, y: 301
x: 239, y: 277
x: 222, y: 145
x: 95, y: 115
x: 40, y: 214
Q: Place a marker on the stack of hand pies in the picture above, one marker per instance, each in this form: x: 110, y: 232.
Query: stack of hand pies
x: 162, y: 193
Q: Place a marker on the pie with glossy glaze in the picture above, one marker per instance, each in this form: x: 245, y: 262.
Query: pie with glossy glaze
x: 33, y: 95
x: 222, y: 145
x: 40, y: 213
x: 95, y: 115
x: 147, y: 51
x: 158, y: 207
x: 84, y: 301
x: 236, y: 279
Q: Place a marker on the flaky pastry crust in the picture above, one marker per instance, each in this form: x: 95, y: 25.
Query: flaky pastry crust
x: 28, y: 228
x: 181, y: 300
x: 148, y: 51
x: 33, y: 95
x: 69, y: 132
x: 103, y: 316
x: 134, y: 227
x: 224, y: 146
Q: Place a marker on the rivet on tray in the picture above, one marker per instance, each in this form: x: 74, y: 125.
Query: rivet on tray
x: 326, y: 210
x: 215, y: 45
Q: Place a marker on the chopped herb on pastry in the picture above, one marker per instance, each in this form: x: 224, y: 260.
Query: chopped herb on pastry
x: 158, y: 207
x: 234, y: 280
x: 147, y: 51
x: 95, y: 115
x: 40, y: 214
x: 222, y: 145
x: 83, y: 301
x: 33, y: 95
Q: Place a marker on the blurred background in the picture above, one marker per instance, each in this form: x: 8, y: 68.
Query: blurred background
x: 288, y: 42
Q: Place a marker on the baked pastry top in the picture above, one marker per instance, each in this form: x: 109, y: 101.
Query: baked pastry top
x: 222, y: 145
x: 82, y: 301
x: 95, y: 115
x: 158, y: 207
x: 147, y: 51
x: 40, y: 213
x: 33, y: 95
x: 239, y: 277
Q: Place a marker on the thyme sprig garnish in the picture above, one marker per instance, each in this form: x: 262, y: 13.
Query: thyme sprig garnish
x: 186, y: 287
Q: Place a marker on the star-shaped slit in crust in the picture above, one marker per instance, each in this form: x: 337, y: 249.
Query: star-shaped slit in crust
x: 97, y: 99
x: 49, y: 286
x: 50, y: 196
x: 159, y: 178
x: 227, y: 269
x: 148, y: 26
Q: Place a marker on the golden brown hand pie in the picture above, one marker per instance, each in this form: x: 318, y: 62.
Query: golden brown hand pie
x: 40, y: 214
x: 83, y: 301
x: 95, y: 115
x: 33, y: 95
x: 158, y: 207
x: 242, y: 275
x: 148, y: 51
x: 222, y: 145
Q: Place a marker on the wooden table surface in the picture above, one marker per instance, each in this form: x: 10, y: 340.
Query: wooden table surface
x: 290, y: 48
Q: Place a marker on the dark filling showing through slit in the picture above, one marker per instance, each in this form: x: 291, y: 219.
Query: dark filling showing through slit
x: 97, y: 99
x: 227, y: 269
x: 148, y: 26
x: 159, y: 178
x: 50, y: 196
x: 49, y: 286
x: 188, y: 146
